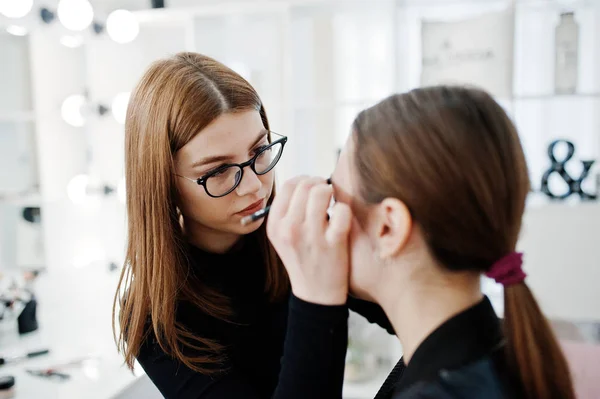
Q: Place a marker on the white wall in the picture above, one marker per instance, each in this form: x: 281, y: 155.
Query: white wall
x: 18, y: 171
x: 14, y: 75
x: 57, y: 72
x: 561, y: 244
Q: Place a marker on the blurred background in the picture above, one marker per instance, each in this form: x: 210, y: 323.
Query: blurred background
x: 67, y: 68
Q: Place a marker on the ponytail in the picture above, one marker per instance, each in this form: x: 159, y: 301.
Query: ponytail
x: 533, y: 351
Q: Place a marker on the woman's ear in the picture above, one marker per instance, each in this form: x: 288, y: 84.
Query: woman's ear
x: 394, y: 226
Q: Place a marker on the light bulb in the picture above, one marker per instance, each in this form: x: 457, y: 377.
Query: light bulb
x: 119, y: 106
x: 15, y: 8
x: 75, y: 15
x: 77, y: 189
x: 72, y: 110
x: 16, y: 30
x: 122, y: 26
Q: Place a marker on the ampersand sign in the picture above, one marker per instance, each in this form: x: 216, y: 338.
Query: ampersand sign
x: 559, y: 167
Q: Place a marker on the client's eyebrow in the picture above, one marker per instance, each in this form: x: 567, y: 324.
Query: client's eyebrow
x: 224, y: 158
x: 330, y: 181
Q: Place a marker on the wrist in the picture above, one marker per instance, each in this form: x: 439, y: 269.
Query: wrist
x: 328, y: 298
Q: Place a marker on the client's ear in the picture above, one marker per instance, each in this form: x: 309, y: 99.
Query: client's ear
x: 394, y: 225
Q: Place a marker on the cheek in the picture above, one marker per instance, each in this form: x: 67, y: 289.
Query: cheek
x: 363, y: 268
x: 196, y: 204
x: 267, y: 183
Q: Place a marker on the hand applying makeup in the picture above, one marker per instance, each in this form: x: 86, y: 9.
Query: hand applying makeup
x: 313, y: 249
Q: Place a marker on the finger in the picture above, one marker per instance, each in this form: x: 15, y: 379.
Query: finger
x: 319, y: 199
x: 339, y: 224
x: 281, y: 202
x: 297, y: 210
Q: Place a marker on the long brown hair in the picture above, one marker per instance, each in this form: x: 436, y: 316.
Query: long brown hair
x: 175, y: 99
x: 453, y: 156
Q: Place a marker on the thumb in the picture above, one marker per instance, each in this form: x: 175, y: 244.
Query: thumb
x: 340, y: 222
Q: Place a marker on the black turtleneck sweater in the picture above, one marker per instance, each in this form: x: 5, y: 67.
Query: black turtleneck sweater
x: 292, y: 349
x: 462, y: 358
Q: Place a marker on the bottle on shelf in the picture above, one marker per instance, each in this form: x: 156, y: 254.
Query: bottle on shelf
x: 566, y: 54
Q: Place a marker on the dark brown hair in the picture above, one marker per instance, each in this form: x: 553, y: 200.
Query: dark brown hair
x: 453, y: 156
x: 175, y: 99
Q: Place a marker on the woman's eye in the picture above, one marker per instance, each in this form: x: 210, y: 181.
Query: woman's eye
x: 260, y: 148
x: 213, y: 170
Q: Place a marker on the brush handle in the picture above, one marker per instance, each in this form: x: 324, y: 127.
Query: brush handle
x: 5, y: 360
x: 38, y: 353
x: 256, y: 215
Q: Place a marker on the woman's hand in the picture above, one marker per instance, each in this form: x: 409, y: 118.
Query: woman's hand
x: 313, y: 250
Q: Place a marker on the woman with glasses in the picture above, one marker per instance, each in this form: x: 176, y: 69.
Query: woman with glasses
x: 436, y: 180
x: 203, y: 301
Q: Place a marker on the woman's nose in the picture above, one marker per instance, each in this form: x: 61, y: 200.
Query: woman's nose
x: 250, y: 183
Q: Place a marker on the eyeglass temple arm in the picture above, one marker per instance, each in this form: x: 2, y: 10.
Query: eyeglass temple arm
x: 277, y: 134
x: 188, y: 178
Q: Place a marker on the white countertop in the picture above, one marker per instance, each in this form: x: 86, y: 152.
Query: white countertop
x: 74, y: 314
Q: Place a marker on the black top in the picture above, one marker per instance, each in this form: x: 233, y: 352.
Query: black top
x: 463, y: 358
x: 292, y: 349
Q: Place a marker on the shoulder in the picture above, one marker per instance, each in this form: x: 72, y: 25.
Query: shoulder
x: 477, y: 380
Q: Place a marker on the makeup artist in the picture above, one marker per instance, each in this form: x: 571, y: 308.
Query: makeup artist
x: 203, y: 302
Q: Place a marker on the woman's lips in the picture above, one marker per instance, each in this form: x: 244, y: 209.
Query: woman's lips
x: 257, y: 206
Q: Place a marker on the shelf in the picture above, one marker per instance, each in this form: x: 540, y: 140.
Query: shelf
x: 527, y: 3
x: 28, y: 198
x: 551, y: 96
x: 17, y: 116
x: 364, y: 103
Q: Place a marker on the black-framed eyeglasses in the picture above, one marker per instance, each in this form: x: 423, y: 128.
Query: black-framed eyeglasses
x: 223, y: 180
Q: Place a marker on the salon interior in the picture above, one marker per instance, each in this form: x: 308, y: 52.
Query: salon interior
x: 67, y: 68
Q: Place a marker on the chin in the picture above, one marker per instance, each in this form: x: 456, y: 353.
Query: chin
x: 251, y: 228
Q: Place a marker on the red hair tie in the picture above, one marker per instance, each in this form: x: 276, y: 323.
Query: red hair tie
x: 508, y: 270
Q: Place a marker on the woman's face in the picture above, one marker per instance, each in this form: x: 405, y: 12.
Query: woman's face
x: 231, y: 138
x: 380, y: 232
x: 363, y: 259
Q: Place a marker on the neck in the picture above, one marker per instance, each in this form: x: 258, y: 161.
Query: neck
x: 208, y: 239
x: 419, y: 308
